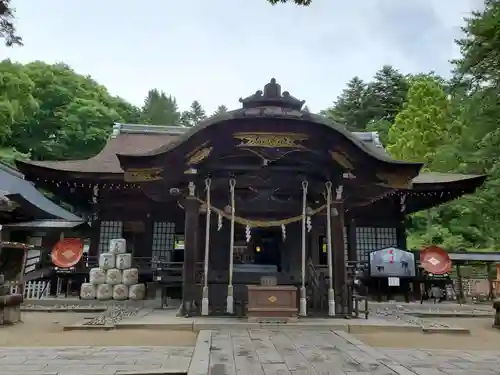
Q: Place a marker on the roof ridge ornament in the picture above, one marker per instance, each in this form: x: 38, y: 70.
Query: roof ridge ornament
x: 271, y: 96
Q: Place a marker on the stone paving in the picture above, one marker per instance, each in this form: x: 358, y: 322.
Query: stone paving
x: 251, y: 352
x: 446, y: 362
x: 86, y: 360
x: 264, y: 352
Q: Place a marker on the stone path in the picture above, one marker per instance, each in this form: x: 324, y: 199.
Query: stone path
x: 251, y: 352
x: 447, y: 362
x: 93, y: 360
x: 264, y: 352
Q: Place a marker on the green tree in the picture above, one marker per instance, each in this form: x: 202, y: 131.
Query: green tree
x: 193, y: 116
x: 7, y: 28
x: 480, y: 47
x: 350, y: 108
x: 423, y: 124
x: 220, y: 110
x: 160, y: 109
x: 386, y: 94
x: 55, y: 113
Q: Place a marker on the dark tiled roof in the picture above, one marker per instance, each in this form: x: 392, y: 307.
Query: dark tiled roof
x: 132, y: 139
x: 140, y: 139
x: 14, y: 187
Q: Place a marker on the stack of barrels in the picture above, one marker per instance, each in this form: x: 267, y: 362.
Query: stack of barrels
x: 114, y: 278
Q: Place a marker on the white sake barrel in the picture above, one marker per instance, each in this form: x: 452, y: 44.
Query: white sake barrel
x: 118, y: 246
x: 97, y: 276
x: 137, y: 292
x: 130, y: 276
x: 87, y: 291
x: 120, y: 292
x: 107, y: 261
x: 113, y: 276
x: 104, y: 292
x: 123, y: 261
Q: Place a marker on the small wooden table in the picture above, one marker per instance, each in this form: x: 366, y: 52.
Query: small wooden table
x: 272, y: 302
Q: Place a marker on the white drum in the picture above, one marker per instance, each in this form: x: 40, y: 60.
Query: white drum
x: 120, y: 292
x: 107, y: 261
x: 130, y: 276
x: 87, y: 291
x: 97, y: 276
x: 123, y: 261
x: 104, y: 292
x: 137, y: 292
x: 118, y: 246
x: 113, y: 276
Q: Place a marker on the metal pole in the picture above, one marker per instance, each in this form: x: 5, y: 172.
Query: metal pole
x: 204, y: 300
x: 230, y: 295
x: 303, y: 298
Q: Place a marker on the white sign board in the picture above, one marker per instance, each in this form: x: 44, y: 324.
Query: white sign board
x: 393, y: 281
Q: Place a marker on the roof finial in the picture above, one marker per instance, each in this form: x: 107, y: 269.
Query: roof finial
x: 272, y: 97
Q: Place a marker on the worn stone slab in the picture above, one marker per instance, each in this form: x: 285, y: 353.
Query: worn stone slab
x: 446, y: 330
x: 200, y: 361
x: 94, y: 360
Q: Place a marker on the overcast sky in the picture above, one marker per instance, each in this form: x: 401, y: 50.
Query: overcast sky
x: 218, y: 50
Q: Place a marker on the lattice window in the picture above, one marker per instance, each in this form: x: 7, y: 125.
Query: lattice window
x: 369, y: 239
x: 386, y: 237
x: 109, y: 230
x: 366, y: 240
x: 163, y: 241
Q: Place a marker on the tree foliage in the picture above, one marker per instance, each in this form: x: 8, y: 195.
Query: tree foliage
x: 160, y: 109
x: 422, y: 126
x: 7, y: 27
x: 49, y: 112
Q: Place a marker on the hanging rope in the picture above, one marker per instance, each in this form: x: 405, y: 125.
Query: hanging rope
x: 207, y: 234
x: 304, y: 219
x: 232, y: 184
x: 261, y: 223
x: 328, y: 185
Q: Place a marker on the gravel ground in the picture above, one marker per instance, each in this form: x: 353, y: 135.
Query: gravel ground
x: 45, y: 329
x: 113, y: 315
x: 482, y: 337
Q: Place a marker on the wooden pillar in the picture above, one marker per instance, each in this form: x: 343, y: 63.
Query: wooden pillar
x: 339, y: 261
x: 401, y: 235
x: 352, y: 252
x: 191, y: 226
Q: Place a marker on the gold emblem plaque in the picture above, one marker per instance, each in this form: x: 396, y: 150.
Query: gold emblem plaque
x: 271, y: 140
x: 142, y: 174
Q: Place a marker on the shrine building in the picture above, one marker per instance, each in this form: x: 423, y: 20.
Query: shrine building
x: 268, y: 189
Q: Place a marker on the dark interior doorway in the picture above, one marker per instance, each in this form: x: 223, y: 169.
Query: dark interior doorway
x: 267, y: 247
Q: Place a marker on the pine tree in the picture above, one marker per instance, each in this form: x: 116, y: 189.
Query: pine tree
x: 386, y: 94
x: 194, y: 116
x: 160, y: 109
x: 220, y: 110
x: 350, y: 108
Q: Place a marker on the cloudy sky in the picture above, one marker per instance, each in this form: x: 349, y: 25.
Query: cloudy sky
x: 218, y: 50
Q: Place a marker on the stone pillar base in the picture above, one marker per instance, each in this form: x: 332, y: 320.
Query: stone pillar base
x: 230, y: 300
x: 303, y: 302
x: 204, y: 302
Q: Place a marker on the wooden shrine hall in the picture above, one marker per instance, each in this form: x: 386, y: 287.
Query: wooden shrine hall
x: 265, y: 190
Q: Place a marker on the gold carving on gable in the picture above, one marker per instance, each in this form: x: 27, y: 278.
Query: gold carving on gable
x: 199, y: 154
x: 342, y: 159
x: 394, y: 180
x: 142, y: 174
x: 271, y: 140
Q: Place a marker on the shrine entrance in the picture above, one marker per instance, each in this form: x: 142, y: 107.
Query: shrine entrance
x: 261, y: 184
x: 267, y: 247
